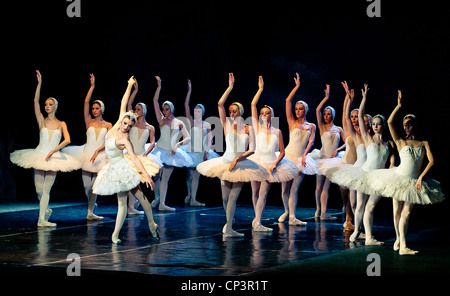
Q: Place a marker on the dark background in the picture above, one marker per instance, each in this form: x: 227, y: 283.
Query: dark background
x: 326, y: 42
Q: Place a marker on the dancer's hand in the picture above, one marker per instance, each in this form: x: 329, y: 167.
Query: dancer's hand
x: 230, y: 80
x: 149, y: 182
x: 272, y: 168
x: 39, y: 76
x: 297, y: 80
x: 419, y: 184
x: 327, y: 92
x: 49, y: 155
x: 94, y: 156
x: 233, y: 164
x: 399, y: 98
x: 260, y: 82
x: 131, y: 80
x: 158, y: 80
x: 92, y: 79
x: 364, y: 91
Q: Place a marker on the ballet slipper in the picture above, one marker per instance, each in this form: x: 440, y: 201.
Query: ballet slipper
x: 396, y: 245
x: 229, y: 232
x: 195, y: 203
x: 317, y: 213
x: 91, y: 217
x: 48, y: 213
x: 371, y: 241
x: 135, y: 212
x: 296, y: 222
x: 187, y: 199
x: 258, y: 227
x: 164, y: 208
x: 407, y: 251
x: 283, y: 217
x: 115, y: 239
x: 326, y: 217
x: 354, y: 236
x: 348, y: 226
x: 154, y: 230
x: 155, y: 202
x: 44, y: 223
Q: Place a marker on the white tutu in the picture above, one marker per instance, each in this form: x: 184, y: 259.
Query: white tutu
x: 35, y: 158
x: 31, y: 158
x: 244, y: 171
x: 197, y: 157
x: 179, y: 159
x: 84, y: 157
x: 388, y: 183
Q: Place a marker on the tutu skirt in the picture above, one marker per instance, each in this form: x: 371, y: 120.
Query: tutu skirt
x: 285, y: 171
x: 179, y: 159
x: 244, y: 171
x: 85, y: 158
x: 388, y: 183
x: 197, y: 157
x: 32, y: 158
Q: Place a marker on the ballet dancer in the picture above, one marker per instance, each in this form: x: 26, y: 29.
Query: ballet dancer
x: 378, y: 151
x: 124, y: 173
x: 167, y: 147
x: 301, y: 140
x: 328, y: 166
x: 139, y: 135
x: 233, y: 168
x: 330, y: 135
x: 92, y: 155
x: 199, y: 148
x: 46, y: 159
x: 406, y: 184
x: 268, y: 140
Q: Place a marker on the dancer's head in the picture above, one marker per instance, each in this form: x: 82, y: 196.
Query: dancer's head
x: 168, y: 109
x: 141, y: 109
x: 266, y: 114
x: 199, y: 111
x: 51, y: 105
x: 301, y: 108
x: 409, y: 124
x: 98, y: 108
x: 354, y: 117
x: 127, y: 121
x: 328, y: 114
x: 379, y: 124
x: 236, y: 110
x: 367, y: 121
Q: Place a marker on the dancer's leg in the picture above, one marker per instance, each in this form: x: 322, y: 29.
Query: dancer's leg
x: 324, y: 201
x: 44, y: 211
x: 345, y: 194
x: 147, y: 210
x: 88, y: 182
x: 194, y: 180
x: 156, y: 192
x: 260, y: 205
x: 230, y: 201
x: 361, y: 200
x: 319, y: 188
x: 285, y: 192
x: 397, y: 207
x: 293, y: 198
x: 403, y: 229
x: 368, y: 221
x: 121, y: 215
x: 165, y: 176
x: 131, y: 202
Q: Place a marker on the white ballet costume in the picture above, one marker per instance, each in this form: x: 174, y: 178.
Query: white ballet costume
x: 400, y: 182
x: 265, y: 155
x: 339, y: 175
x: 35, y: 158
x: 45, y: 170
x: 164, y: 146
x: 328, y: 166
x: 139, y: 138
x: 330, y: 141
x: 245, y: 170
x: 298, y: 140
x: 196, y: 149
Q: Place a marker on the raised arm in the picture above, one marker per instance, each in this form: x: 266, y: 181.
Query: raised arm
x: 362, y: 110
x: 37, y: 107
x: 158, y: 113
x: 290, y: 117
x: 223, y: 99
x: 124, y: 102
x: 320, y: 106
x: 391, y: 119
x: 87, y: 116
x: 132, y: 96
x: 187, y: 110
x: 255, y: 117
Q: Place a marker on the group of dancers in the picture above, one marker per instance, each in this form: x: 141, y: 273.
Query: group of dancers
x: 117, y: 158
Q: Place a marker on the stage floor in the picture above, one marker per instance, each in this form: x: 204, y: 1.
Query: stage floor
x: 191, y: 244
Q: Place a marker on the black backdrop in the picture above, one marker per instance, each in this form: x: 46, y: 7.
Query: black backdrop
x: 326, y: 42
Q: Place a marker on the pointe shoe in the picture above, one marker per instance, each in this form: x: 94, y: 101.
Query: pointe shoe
x: 396, y: 245
x: 230, y: 232
x: 195, y: 203
x: 164, y: 208
x: 115, y: 239
x: 283, y: 217
x: 371, y: 241
x: 187, y: 199
x: 48, y: 213
x: 44, y: 223
x: 135, y: 212
x: 407, y: 251
x: 154, y: 230
x: 258, y: 227
x: 296, y: 222
x: 91, y: 217
x: 348, y: 226
x: 326, y: 217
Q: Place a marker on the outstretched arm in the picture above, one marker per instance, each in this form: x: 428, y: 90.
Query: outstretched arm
x: 158, y: 113
x: 290, y: 117
x: 37, y: 95
x: 133, y: 95
x: 319, y: 108
x: 223, y: 99
x: 124, y: 102
x: 87, y: 116
x: 362, y: 110
x: 255, y: 117
x: 187, y: 110
x: 391, y: 119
